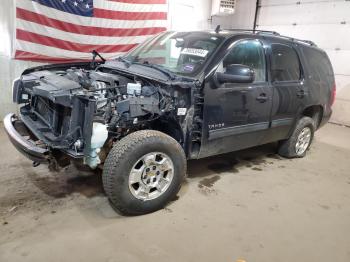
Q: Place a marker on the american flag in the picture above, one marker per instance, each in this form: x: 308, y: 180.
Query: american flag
x: 68, y: 30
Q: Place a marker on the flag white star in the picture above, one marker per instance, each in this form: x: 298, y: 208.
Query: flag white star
x: 87, y: 6
x: 63, y: 1
x: 75, y: 3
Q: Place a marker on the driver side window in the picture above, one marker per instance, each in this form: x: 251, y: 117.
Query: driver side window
x: 249, y: 53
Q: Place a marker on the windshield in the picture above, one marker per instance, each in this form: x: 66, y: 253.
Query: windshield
x: 183, y: 53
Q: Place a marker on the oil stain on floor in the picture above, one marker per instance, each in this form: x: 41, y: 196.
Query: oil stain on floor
x: 205, y: 185
x: 208, y: 182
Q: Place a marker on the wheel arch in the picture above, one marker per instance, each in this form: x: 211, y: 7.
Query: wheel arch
x: 315, y: 112
x: 170, y: 127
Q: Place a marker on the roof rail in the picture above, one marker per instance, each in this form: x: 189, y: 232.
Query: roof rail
x: 308, y: 42
x: 261, y: 32
x: 253, y: 31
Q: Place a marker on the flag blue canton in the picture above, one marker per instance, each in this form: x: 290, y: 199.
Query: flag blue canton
x: 77, y: 7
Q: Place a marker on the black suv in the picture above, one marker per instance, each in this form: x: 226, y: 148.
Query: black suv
x: 178, y: 96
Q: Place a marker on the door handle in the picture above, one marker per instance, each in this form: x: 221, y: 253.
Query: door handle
x: 301, y: 93
x: 262, y: 98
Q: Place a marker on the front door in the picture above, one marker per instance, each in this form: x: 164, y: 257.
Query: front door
x: 237, y: 115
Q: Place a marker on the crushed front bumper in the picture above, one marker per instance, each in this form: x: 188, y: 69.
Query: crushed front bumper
x: 24, y: 140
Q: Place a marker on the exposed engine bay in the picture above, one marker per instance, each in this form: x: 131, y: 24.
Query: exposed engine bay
x: 77, y: 110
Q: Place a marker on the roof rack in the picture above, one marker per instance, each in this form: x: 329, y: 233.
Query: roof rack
x: 253, y: 30
x: 274, y: 33
x: 308, y: 42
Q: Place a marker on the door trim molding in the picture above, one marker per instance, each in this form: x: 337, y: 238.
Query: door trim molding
x: 236, y: 130
x: 282, y: 122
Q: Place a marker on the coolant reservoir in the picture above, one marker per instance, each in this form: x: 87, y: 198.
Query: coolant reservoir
x: 98, y: 138
x: 133, y: 89
x: 99, y: 135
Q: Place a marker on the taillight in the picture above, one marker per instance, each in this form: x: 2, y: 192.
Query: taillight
x: 334, y: 92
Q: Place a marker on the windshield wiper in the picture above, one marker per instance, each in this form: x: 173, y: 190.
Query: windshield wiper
x: 124, y: 60
x: 165, y: 71
x: 94, y: 54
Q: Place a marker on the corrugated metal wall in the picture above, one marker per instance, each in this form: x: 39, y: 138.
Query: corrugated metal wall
x: 327, y: 23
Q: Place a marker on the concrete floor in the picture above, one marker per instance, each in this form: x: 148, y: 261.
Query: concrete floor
x: 250, y: 205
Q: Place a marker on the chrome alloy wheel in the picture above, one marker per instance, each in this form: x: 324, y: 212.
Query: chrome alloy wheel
x: 303, y: 141
x: 151, y: 176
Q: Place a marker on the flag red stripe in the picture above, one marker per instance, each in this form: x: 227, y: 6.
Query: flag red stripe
x: 28, y: 56
x: 140, y: 1
x: 85, y: 30
x: 119, y: 15
x: 67, y: 45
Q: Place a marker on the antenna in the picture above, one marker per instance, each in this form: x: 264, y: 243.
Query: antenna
x: 217, y: 29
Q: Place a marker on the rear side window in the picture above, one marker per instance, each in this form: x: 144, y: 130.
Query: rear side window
x: 285, y: 65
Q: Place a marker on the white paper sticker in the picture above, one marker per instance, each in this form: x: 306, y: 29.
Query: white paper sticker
x: 181, y: 111
x: 195, y: 52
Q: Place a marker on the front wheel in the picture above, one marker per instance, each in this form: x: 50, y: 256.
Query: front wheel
x: 300, y: 140
x: 143, y: 172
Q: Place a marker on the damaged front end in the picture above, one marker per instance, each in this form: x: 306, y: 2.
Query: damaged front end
x: 76, y: 113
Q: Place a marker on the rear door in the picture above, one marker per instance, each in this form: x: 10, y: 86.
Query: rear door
x: 289, y: 89
x: 237, y: 115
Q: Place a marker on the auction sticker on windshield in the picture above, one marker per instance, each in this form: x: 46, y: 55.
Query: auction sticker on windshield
x: 195, y: 52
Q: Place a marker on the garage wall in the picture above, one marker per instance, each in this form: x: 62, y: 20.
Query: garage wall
x: 327, y: 23
x: 9, y: 69
x: 183, y: 15
x: 186, y: 15
x: 243, y: 16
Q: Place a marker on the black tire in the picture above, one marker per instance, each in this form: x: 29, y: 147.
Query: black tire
x: 287, y: 148
x: 121, y: 159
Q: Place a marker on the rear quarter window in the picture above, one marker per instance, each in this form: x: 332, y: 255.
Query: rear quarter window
x: 319, y: 67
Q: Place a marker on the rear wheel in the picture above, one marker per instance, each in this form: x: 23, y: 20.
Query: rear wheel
x: 143, y: 172
x: 300, y: 140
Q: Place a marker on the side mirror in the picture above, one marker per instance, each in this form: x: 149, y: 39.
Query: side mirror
x: 236, y: 74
